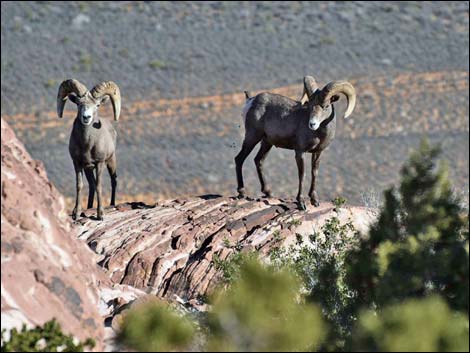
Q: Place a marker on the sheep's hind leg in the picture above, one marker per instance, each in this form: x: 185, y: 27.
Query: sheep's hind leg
x: 259, y: 159
x: 91, y: 187
x: 99, y: 172
x: 312, y: 193
x: 300, y: 167
x: 111, y: 164
x: 248, y: 144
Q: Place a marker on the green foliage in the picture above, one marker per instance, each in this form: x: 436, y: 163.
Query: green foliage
x: 276, y: 236
x: 262, y: 311
x: 319, y: 263
x: 339, y: 202
x: 425, y: 325
x: 294, y: 222
x: 226, y: 243
x: 158, y: 64
x: 419, y: 244
x: 83, y: 5
x: 50, y: 83
x: 230, y: 268
x: 327, y: 40
x: 46, y: 338
x: 404, y: 287
x: 155, y: 327
x: 86, y: 61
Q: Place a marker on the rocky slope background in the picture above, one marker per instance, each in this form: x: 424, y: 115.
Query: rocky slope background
x: 165, y: 250
x: 182, y: 67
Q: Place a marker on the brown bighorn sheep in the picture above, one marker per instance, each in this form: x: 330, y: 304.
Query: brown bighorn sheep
x: 279, y: 121
x: 93, y: 140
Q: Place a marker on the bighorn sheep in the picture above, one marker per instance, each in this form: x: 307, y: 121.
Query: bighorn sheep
x: 279, y: 121
x: 93, y: 140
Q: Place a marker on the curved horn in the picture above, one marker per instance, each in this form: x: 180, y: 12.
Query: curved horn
x: 109, y: 88
x: 343, y: 87
x: 310, y: 86
x: 65, y: 88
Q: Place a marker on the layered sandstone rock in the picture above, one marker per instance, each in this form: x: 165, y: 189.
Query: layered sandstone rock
x: 46, y: 272
x: 168, y: 249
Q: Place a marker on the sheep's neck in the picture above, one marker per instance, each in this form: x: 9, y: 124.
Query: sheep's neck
x: 86, y: 134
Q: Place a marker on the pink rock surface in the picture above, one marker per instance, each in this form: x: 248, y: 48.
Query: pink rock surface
x: 167, y: 249
x: 46, y: 272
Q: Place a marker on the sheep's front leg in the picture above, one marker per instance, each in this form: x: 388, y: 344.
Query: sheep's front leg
x: 312, y: 193
x: 99, y: 172
x: 299, y: 158
x: 79, y: 184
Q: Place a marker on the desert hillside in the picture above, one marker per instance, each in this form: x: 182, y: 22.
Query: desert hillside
x: 182, y: 68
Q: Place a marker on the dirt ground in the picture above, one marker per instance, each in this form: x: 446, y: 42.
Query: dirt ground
x: 182, y: 68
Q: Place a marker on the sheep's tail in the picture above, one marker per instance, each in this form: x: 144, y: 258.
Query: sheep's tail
x: 247, y: 107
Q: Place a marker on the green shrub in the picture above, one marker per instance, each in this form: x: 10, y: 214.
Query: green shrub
x: 402, y: 287
x: 46, y: 338
x: 230, y: 267
x: 158, y: 64
x: 263, y: 311
x: 339, y: 202
x: 419, y: 245
x: 155, y: 327
x: 319, y: 263
x: 416, y: 325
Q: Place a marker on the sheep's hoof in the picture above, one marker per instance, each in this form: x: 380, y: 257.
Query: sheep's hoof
x: 99, y: 216
x: 241, y: 195
x: 314, y: 202
x: 267, y: 193
x: 75, y: 213
x: 301, y: 205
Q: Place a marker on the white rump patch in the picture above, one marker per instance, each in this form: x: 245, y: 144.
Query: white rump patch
x: 247, y: 107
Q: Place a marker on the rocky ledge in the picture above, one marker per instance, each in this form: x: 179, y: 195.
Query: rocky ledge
x: 167, y: 249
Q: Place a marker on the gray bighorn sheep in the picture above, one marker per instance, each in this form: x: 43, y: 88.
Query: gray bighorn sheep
x: 279, y: 121
x: 93, y: 140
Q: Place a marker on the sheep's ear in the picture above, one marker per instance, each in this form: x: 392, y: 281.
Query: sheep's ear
x: 334, y: 98
x: 73, y: 98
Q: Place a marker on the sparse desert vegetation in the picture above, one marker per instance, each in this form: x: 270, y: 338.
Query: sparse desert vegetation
x: 179, y: 262
x: 404, y: 286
